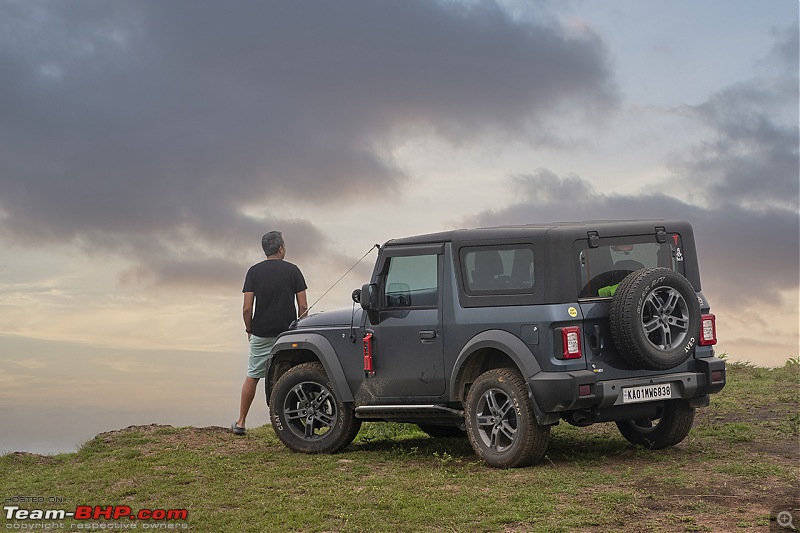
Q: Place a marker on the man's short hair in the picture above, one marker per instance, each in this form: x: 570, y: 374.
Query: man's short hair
x: 271, y: 242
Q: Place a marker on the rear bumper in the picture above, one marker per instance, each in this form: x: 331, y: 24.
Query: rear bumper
x: 555, y: 393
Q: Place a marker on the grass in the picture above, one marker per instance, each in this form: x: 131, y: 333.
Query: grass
x: 735, y: 471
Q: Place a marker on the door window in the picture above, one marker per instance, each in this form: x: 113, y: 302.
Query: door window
x: 412, y: 281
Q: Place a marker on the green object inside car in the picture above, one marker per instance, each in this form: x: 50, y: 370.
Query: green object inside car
x: 607, y: 291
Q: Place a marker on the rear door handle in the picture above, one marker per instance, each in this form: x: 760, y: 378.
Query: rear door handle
x: 427, y: 334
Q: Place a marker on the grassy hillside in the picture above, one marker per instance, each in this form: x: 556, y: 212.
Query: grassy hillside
x: 735, y: 471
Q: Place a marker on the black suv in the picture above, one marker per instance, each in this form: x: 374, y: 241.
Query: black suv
x: 503, y: 332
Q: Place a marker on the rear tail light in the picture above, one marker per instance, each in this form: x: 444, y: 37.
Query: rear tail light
x: 571, y: 340
x: 708, y: 330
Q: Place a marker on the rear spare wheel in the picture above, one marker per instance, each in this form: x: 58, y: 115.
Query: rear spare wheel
x: 655, y: 319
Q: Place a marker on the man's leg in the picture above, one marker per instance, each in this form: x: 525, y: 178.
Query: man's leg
x: 248, y: 394
x: 260, y: 348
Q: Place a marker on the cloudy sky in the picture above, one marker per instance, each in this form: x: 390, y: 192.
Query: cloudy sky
x: 146, y: 146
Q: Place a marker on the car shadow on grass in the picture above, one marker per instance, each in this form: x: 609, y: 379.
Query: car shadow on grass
x: 567, y: 445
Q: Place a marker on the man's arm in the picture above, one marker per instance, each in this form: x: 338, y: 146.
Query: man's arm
x: 302, y: 304
x: 247, y: 312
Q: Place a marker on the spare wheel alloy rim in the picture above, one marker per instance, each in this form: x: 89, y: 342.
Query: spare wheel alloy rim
x: 665, y: 318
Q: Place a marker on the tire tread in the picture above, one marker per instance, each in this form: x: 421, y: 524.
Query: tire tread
x: 535, y: 439
x: 626, y: 324
x: 348, y: 424
x: 672, y: 428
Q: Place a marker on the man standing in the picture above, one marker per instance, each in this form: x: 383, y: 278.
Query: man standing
x: 273, y: 285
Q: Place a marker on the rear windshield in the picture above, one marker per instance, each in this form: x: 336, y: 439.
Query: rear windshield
x: 603, y: 268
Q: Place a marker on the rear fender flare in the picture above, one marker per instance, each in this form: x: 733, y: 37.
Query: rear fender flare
x: 500, y: 340
x: 324, y: 351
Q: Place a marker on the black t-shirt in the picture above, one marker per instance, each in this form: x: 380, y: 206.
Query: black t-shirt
x: 275, y: 283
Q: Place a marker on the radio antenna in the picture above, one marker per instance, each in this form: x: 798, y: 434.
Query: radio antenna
x: 378, y: 246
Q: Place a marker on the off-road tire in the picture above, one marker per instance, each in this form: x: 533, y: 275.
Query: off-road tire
x: 671, y: 428
x: 307, y: 416
x: 500, y: 422
x: 441, y: 432
x: 655, y: 319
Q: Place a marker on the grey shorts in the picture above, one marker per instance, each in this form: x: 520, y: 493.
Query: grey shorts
x: 259, y: 356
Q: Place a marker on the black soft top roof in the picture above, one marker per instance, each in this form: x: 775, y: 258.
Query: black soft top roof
x: 604, y: 228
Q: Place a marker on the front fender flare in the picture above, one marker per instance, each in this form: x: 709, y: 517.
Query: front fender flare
x: 324, y: 351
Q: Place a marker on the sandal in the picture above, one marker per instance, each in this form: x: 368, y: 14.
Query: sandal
x: 237, y: 430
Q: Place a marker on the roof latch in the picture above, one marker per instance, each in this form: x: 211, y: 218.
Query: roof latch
x: 594, y: 239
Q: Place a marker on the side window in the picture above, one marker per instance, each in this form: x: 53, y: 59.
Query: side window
x: 412, y: 281
x: 500, y: 269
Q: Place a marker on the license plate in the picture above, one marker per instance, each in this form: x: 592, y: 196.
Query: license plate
x: 646, y: 393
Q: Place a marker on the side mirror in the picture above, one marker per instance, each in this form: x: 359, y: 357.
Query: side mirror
x: 357, y: 296
x: 369, y: 301
x: 369, y: 297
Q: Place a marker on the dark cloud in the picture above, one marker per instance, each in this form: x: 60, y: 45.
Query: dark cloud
x: 733, y: 243
x: 742, y: 182
x: 786, y: 52
x: 212, y: 257
x: 751, y: 155
x: 138, y: 122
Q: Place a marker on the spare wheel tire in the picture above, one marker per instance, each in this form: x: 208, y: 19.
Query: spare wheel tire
x: 655, y: 319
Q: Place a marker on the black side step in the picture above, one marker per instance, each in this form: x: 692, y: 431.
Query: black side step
x: 407, y: 411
